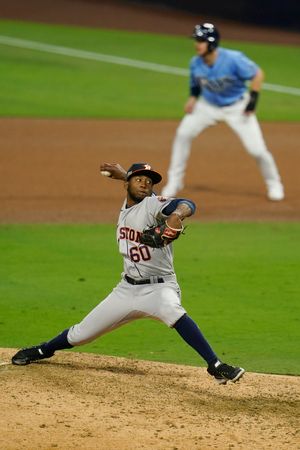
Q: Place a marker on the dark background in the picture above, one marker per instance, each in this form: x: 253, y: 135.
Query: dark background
x: 284, y: 14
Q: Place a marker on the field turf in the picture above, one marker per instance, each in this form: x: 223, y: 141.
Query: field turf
x: 39, y: 84
x: 240, y: 283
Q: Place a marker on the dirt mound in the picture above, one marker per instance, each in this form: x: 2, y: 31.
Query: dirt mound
x: 78, y: 400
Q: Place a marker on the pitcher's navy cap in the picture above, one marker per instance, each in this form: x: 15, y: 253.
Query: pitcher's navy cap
x: 143, y: 169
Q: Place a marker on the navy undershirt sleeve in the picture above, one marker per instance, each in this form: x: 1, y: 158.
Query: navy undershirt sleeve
x: 195, y: 91
x: 174, y: 203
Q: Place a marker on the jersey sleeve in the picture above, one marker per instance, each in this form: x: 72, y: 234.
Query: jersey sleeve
x: 155, y: 205
x: 245, y: 68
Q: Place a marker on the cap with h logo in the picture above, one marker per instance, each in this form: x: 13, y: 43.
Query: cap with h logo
x: 143, y: 169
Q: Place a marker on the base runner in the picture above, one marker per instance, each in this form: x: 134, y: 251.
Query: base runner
x: 218, y: 93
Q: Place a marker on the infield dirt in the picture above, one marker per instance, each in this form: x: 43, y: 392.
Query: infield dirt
x: 49, y: 173
x: 50, y: 170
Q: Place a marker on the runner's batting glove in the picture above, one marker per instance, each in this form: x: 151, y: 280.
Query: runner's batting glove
x: 251, y: 106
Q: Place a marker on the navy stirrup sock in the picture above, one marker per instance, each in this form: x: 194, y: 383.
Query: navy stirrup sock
x: 60, y: 342
x: 190, y: 332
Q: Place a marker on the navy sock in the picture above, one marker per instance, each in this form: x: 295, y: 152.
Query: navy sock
x: 190, y: 332
x: 60, y: 342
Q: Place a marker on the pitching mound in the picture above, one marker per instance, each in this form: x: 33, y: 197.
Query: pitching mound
x: 87, y: 401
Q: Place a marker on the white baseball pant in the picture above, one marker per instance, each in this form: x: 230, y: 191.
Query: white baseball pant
x: 205, y: 115
x: 161, y: 301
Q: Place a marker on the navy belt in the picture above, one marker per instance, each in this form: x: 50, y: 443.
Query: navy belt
x: 144, y: 281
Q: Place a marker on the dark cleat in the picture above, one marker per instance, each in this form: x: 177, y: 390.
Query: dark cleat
x: 223, y: 372
x: 29, y: 355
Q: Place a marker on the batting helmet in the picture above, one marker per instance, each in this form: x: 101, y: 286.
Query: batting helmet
x: 207, y: 32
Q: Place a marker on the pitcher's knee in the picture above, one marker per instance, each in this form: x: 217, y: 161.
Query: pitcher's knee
x: 170, y: 313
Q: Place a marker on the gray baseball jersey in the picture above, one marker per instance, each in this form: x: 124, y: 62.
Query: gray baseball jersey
x: 141, y: 261
x: 128, y: 302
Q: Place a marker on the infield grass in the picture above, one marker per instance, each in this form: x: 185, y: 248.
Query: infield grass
x: 240, y: 283
x: 37, y: 84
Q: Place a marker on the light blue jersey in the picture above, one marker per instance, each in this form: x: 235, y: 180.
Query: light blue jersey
x: 223, y: 83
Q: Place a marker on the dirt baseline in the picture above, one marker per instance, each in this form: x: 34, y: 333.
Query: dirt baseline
x: 49, y: 170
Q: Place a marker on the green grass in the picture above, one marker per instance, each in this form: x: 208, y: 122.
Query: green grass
x: 240, y: 283
x: 37, y: 84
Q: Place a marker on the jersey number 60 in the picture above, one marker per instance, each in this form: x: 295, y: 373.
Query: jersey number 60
x: 138, y: 253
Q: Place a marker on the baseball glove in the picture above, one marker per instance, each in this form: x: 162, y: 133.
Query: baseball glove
x: 160, y: 235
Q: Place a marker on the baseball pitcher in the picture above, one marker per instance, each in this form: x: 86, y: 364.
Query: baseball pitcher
x: 147, y: 228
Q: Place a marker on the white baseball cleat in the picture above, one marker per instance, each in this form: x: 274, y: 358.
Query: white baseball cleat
x: 275, y: 191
